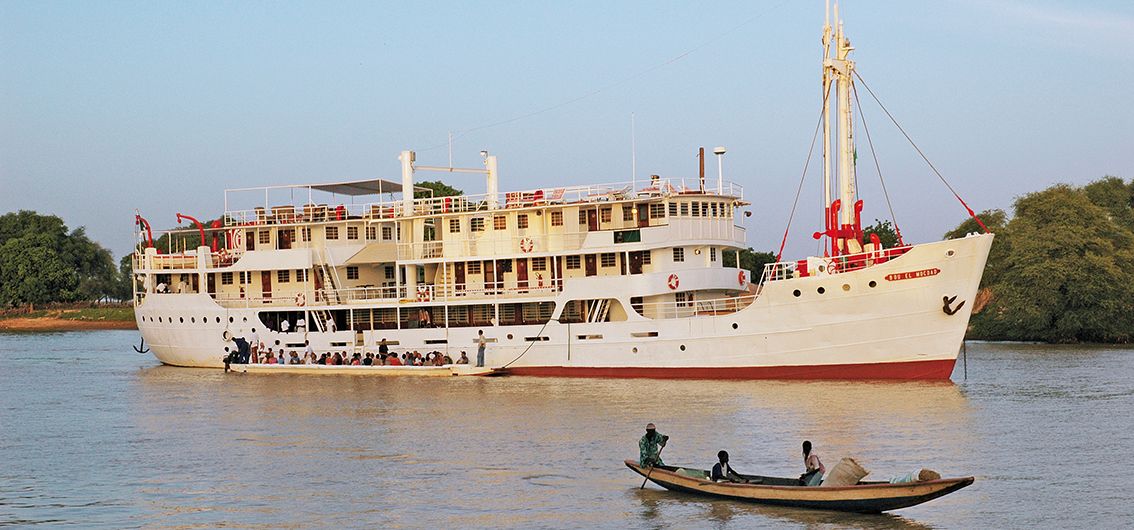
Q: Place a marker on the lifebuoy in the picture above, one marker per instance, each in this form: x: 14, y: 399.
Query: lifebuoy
x: 673, y: 281
x: 526, y: 244
x: 422, y: 293
x: 740, y: 278
x: 300, y: 299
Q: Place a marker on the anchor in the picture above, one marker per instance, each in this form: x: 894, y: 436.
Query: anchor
x: 948, y: 302
x: 141, y: 347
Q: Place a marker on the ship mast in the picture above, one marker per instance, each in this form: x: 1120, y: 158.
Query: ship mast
x: 838, y: 70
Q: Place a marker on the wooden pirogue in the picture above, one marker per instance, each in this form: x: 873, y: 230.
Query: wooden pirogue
x: 864, y: 497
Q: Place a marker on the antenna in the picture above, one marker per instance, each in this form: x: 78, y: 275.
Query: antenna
x: 633, y: 155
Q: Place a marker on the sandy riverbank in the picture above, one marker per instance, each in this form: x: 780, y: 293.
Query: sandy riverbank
x: 62, y: 324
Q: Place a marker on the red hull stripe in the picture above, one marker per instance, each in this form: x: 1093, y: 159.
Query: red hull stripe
x: 919, y: 370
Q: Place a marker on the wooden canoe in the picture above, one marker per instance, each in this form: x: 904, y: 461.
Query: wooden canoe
x: 864, y: 497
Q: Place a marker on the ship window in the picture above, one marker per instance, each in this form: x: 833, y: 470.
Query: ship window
x: 696, y: 209
x: 820, y: 290
x: 716, y: 209
x: 678, y: 254
x: 796, y: 293
x: 646, y: 257
x: 265, y: 237
x: 352, y: 273
x: 332, y: 232
x: 539, y: 264
x: 387, y: 233
x: 371, y: 233
x: 306, y: 233
x: 499, y: 222
x: 218, y: 320
x: 573, y: 262
x: 352, y: 232
x: 607, y: 214
x: 657, y: 210
x: 476, y: 224
x: 300, y: 275
x: 522, y: 220
x: 712, y: 253
x: 557, y: 218
x: 607, y: 259
x: 627, y: 212
x: 283, y: 276
x: 672, y: 209
x: 454, y: 226
x: 582, y: 217
x: 683, y: 299
x: 226, y: 278
x: 250, y: 239
x: 388, y: 272
x: 873, y: 283
x: 245, y: 277
x: 628, y: 236
x: 685, y: 209
x: 503, y: 265
x: 474, y: 267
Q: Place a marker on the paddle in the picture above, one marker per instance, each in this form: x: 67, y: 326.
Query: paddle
x: 662, y: 448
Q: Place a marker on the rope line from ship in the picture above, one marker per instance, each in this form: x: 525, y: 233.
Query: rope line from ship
x: 530, y: 344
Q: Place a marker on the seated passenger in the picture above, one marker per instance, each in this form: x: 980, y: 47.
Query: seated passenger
x: 447, y: 360
x: 368, y: 360
x: 295, y: 359
x: 392, y: 360
x: 464, y: 358
x: 814, y: 470
x: 723, y: 472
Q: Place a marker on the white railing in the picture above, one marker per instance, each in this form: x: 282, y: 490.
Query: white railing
x: 690, y: 308
x: 613, y: 191
x: 829, y: 265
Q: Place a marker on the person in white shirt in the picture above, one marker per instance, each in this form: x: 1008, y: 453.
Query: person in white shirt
x: 254, y: 341
x: 285, y: 326
x: 308, y: 353
x: 331, y: 325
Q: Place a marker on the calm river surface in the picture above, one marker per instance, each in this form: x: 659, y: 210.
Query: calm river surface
x: 93, y: 434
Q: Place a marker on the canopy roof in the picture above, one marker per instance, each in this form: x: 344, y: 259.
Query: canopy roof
x: 351, y: 187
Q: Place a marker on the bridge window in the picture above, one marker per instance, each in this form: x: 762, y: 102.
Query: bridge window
x: 454, y: 226
x: 522, y: 220
x: 352, y: 273
x: 331, y: 232
x: 556, y: 218
x: 476, y: 224
x: 499, y: 222
x: 678, y: 254
x: 573, y: 262
x: 283, y: 276
x: 352, y: 232
x: 226, y: 278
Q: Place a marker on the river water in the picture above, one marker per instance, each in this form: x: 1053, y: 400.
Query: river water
x: 95, y: 435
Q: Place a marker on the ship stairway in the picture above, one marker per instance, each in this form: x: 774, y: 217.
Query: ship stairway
x: 599, y: 310
x: 330, y: 280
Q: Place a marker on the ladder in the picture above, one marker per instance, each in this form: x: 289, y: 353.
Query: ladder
x: 599, y: 310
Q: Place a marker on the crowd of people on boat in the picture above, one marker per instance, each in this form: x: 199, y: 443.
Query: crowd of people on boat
x: 255, y: 352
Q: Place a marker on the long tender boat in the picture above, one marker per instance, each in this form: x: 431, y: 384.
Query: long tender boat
x: 631, y: 279
x: 864, y: 497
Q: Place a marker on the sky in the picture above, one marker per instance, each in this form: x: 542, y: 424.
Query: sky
x: 111, y: 107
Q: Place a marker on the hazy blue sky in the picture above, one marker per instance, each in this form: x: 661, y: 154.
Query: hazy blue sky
x: 110, y: 106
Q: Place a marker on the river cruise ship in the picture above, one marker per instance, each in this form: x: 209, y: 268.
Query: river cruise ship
x: 632, y: 279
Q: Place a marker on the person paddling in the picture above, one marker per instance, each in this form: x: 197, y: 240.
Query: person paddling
x: 649, y: 446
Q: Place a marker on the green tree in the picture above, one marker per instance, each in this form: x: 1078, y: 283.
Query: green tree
x: 750, y: 260
x: 33, y: 272
x: 994, y: 219
x: 440, y: 189
x: 123, y: 284
x: 1060, y: 270
x: 885, y: 232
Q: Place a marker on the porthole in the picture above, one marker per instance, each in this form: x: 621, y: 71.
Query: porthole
x: 277, y: 342
x: 192, y: 320
x: 218, y: 320
x: 950, y: 253
x: 635, y: 350
x: 735, y: 325
x: 246, y: 319
x: 796, y: 293
x: 682, y: 347
x: 820, y: 290
x: 181, y: 319
x: 226, y: 349
x: 159, y: 320
x: 846, y: 286
x: 230, y: 320
x: 873, y: 284
x: 509, y: 336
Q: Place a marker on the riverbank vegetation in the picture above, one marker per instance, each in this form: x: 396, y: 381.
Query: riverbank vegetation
x: 1060, y: 269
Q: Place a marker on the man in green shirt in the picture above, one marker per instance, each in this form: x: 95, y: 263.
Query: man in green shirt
x: 649, y: 446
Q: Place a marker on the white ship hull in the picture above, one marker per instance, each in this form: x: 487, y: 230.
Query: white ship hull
x: 897, y: 329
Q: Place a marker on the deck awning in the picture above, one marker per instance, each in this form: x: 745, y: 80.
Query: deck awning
x: 375, y: 253
x: 362, y: 187
x: 273, y: 260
